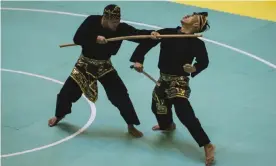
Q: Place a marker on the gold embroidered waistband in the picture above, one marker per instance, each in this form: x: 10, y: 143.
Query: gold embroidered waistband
x: 94, y: 61
x: 169, y: 78
x: 86, y: 73
x: 172, y: 86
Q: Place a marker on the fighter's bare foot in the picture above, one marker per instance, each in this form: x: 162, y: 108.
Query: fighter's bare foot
x: 209, y: 154
x: 134, y: 132
x: 171, y: 128
x: 54, y: 121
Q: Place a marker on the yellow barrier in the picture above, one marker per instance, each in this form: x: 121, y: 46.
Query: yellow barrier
x: 265, y: 10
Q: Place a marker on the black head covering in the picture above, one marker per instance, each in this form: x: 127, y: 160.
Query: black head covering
x: 204, y: 25
x: 112, y: 11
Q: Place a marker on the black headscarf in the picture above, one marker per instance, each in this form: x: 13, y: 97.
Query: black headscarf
x: 112, y: 12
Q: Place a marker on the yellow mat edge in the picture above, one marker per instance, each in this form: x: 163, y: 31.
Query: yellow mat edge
x: 265, y: 10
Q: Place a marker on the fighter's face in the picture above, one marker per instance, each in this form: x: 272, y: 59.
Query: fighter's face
x: 192, y: 20
x: 113, y: 24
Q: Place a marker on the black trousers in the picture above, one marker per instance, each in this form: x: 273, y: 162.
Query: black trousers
x: 116, y: 92
x: 184, y: 112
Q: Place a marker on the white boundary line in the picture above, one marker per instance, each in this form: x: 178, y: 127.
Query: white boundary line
x: 149, y: 26
x: 88, y: 123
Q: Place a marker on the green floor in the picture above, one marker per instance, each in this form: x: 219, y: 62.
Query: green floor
x: 234, y: 98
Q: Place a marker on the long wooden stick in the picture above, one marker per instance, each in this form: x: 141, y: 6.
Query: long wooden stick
x: 139, y: 37
x: 147, y: 75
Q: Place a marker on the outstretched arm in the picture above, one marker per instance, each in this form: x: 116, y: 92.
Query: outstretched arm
x: 128, y: 30
x: 142, y: 49
x: 86, y: 34
x: 202, y: 60
x: 145, y: 46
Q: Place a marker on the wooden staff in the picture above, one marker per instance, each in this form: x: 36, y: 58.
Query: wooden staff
x: 147, y: 75
x: 139, y: 37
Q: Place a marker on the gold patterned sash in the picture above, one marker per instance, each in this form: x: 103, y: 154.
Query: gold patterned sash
x: 175, y: 86
x: 87, y: 72
x: 171, y: 87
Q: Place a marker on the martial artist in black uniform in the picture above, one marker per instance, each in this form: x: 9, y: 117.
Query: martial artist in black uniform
x: 175, y: 65
x: 94, y: 65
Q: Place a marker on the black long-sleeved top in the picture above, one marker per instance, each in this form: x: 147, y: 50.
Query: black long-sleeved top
x: 174, y: 53
x: 86, y: 36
